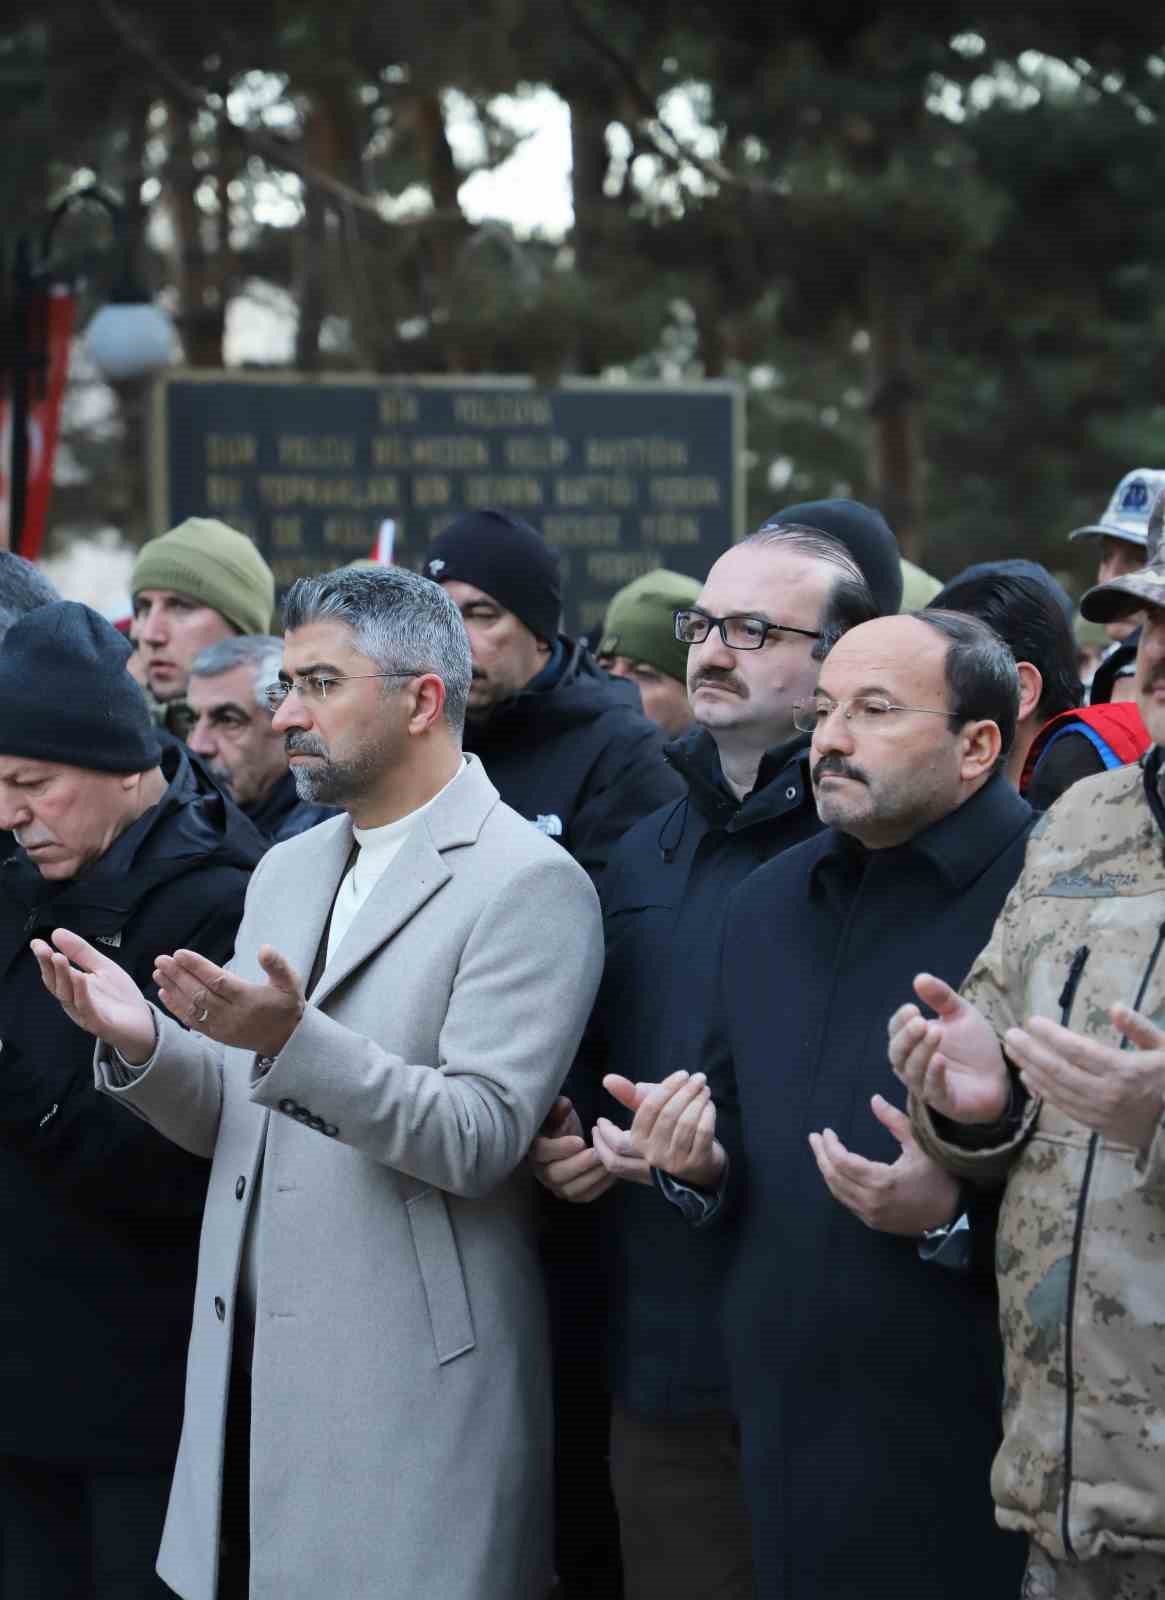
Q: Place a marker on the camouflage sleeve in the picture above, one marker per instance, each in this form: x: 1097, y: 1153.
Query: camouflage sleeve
x: 996, y: 986
x: 1151, y: 1167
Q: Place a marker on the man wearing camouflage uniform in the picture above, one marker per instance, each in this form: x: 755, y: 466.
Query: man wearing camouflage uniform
x: 1069, y: 1112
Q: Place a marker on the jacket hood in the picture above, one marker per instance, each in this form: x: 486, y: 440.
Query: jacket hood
x: 582, y: 693
x: 193, y: 826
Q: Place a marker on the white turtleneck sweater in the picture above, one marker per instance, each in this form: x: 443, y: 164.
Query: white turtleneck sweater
x: 379, y: 847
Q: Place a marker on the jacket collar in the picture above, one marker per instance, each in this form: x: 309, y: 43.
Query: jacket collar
x: 1153, y: 779
x: 958, y: 846
x: 455, y: 819
x: 782, y: 780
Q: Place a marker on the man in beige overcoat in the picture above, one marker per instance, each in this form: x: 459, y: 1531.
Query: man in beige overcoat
x: 367, y: 1406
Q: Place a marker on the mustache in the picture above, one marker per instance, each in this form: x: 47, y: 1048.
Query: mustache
x: 297, y: 743
x: 719, y: 680
x: 840, y: 768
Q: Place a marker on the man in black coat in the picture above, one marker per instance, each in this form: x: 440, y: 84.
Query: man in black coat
x: 566, y: 745
x: 867, y: 1381
x: 675, y: 1459
x: 126, y: 844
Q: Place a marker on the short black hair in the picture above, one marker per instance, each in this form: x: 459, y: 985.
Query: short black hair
x: 850, y: 600
x: 1027, y: 615
x: 982, y: 683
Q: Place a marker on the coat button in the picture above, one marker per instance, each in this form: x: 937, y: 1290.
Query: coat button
x: 288, y: 1107
x: 240, y: 1188
x: 220, y: 1308
x: 330, y: 1129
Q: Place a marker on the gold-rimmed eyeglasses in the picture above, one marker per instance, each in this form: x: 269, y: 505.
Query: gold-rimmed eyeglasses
x: 862, y: 711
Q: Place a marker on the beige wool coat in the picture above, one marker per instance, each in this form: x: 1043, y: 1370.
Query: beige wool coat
x: 401, y: 1432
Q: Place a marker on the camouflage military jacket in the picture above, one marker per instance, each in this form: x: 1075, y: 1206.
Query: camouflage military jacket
x: 1081, y: 1241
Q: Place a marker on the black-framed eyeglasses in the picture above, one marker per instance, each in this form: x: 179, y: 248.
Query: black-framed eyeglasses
x: 863, y: 711
x: 316, y: 685
x: 738, y: 632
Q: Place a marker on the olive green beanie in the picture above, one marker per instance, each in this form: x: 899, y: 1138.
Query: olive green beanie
x: 640, y: 625
x: 206, y: 561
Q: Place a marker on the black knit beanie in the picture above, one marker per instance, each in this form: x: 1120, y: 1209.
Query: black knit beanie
x: 65, y: 694
x: 506, y: 559
x: 865, y: 534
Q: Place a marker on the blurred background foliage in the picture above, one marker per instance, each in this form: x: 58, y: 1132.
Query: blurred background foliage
x: 926, y: 239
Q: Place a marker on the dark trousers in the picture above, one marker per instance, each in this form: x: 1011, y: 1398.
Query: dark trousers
x: 682, y: 1519
x: 78, y: 1533
x: 234, y: 1573
x: 586, y: 1529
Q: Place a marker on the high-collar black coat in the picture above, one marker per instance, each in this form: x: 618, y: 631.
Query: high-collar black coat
x: 99, y: 1215
x: 664, y: 898
x: 868, y: 1383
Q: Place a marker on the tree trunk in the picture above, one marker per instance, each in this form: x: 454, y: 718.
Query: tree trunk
x: 895, y: 441
x: 201, y: 302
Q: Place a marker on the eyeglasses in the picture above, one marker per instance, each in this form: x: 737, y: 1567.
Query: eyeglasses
x: 738, y: 633
x: 316, y: 685
x: 863, y: 711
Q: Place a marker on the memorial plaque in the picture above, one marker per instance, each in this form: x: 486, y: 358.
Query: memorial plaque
x: 620, y: 479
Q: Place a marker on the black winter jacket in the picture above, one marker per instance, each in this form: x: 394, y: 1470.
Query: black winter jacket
x: 281, y: 814
x: 664, y: 898
x: 99, y: 1215
x: 868, y: 1383
x: 579, y: 759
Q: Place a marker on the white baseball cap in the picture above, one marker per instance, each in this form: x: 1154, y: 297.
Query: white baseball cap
x: 1127, y: 514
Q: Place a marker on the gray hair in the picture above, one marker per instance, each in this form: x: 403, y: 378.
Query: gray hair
x: 850, y: 601
x: 403, y: 622
x: 260, y: 651
x: 23, y: 587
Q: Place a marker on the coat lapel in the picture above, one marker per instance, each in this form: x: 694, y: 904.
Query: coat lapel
x: 308, y: 899
x: 413, y: 878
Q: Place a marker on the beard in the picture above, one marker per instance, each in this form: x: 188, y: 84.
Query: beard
x: 336, y: 783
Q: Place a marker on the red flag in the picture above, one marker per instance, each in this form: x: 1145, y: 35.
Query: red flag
x: 49, y: 331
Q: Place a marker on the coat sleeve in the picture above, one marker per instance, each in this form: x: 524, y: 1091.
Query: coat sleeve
x: 523, y: 990
x: 179, y: 1091
x: 629, y: 780
x: 51, y: 1112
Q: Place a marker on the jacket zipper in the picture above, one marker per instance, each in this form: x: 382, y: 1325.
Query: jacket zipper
x: 1067, y: 996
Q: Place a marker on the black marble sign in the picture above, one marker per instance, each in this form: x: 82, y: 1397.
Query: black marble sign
x: 620, y: 479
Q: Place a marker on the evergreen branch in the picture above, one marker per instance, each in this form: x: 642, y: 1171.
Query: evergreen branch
x: 272, y: 149
x: 666, y: 144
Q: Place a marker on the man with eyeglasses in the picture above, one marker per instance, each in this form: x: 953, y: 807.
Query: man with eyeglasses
x: 368, y: 1395
x: 753, y: 635
x: 867, y: 1380
x: 235, y: 736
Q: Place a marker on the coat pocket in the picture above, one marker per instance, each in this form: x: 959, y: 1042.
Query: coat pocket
x: 441, y: 1275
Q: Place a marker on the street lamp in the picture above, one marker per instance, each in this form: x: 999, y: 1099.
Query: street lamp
x: 129, y: 338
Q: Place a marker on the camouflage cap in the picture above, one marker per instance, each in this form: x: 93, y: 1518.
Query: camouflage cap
x: 1127, y: 514
x: 1108, y: 602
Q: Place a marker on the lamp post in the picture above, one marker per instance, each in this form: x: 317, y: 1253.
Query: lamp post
x: 128, y: 338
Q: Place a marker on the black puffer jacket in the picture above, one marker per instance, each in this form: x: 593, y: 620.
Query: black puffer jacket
x: 579, y: 759
x: 99, y: 1215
